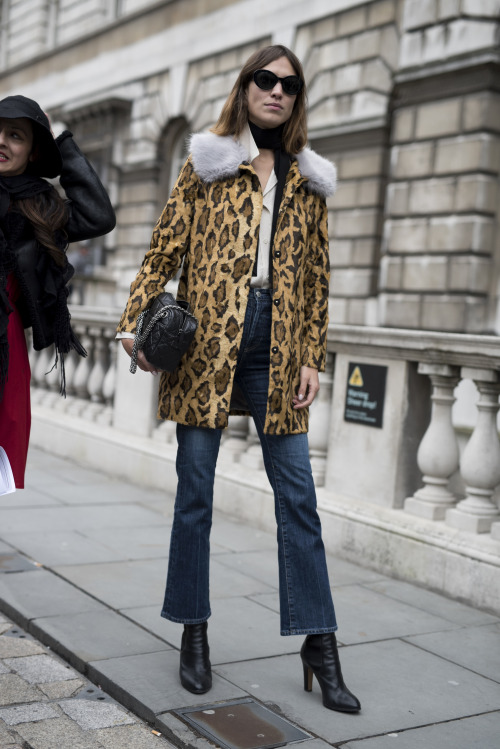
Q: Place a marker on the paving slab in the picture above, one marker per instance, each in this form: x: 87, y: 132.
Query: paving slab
x: 29, y: 498
x: 269, y: 601
x: 59, y: 690
x: 95, y: 714
x: 13, y: 716
x: 81, y: 638
x: 42, y: 480
x: 120, y: 584
x: 74, y: 474
x: 438, y: 605
x: 14, y: 690
x: 342, y: 572
x: 234, y: 536
x: 40, y: 669
x: 29, y: 595
x: 104, y: 491
x: 254, y: 630
x: 479, y: 732
x: 477, y: 648
x: 14, y: 562
x: 149, y: 684
x: 129, y: 737
x: 38, y: 458
x: 259, y: 565
x: 227, y: 583
x: 14, y: 647
x: 7, y: 738
x: 399, y: 687
x: 50, y: 519
x: 149, y: 542
x: 62, y: 547
x: 62, y: 733
x: 388, y: 617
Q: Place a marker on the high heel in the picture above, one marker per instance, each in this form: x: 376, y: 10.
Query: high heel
x: 320, y: 657
x: 308, y: 678
x: 195, y: 670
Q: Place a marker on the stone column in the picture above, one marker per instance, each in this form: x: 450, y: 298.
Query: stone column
x: 480, y: 464
x: 136, y: 398
x: 319, y: 423
x: 234, y: 439
x: 437, y: 455
x: 251, y: 456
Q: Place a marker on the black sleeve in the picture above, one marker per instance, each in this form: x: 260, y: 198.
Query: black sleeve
x: 90, y: 211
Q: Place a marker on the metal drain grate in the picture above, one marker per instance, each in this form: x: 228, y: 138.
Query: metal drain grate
x: 242, y: 724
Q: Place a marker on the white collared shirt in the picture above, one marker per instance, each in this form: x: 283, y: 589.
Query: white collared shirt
x: 261, y: 280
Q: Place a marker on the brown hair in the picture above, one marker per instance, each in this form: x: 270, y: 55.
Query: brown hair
x: 234, y: 114
x: 48, y: 215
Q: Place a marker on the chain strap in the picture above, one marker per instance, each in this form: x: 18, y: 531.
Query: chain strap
x: 140, y: 336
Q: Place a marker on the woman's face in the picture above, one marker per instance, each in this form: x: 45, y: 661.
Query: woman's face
x: 16, y: 145
x: 271, y: 108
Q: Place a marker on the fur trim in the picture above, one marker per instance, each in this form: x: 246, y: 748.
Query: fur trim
x: 217, y: 157
x: 320, y: 172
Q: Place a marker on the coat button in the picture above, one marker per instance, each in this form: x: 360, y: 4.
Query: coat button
x: 277, y: 253
x: 276, y: 302
x: 275, y: 349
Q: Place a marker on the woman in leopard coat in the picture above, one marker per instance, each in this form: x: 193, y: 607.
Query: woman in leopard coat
x: 247, y: 220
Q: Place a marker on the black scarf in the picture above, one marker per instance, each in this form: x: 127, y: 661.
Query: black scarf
x: 12, y: 227
x: 272, y: 138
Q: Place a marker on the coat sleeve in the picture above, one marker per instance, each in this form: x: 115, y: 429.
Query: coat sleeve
x: 90, y: 213
x: 316, y: 291
x: 169, y: 244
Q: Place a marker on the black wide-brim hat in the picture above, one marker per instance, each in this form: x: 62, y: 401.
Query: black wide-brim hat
x: 48, y: 162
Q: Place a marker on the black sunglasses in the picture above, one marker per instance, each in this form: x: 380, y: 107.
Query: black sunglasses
x: 267, y: 80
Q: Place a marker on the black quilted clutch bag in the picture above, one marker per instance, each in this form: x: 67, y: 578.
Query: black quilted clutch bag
x: 164, y: 332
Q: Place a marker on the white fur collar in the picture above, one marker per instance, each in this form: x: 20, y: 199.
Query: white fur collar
x: 216, y: 157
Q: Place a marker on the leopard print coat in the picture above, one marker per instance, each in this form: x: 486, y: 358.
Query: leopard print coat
x: 211, y: 222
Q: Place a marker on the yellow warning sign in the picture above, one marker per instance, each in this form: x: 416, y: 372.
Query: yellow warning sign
x: 356, y: 379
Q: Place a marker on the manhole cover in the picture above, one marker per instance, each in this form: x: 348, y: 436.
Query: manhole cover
x: 242, y: 724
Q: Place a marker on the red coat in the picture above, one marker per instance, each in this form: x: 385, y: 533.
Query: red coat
x: 15, y: 412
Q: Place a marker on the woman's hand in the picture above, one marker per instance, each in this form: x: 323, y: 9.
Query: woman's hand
x: 308, y: 388
x: 142, y: 362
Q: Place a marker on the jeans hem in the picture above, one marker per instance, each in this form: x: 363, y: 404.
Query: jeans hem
x: 308, y: 631
x: 175, y: 619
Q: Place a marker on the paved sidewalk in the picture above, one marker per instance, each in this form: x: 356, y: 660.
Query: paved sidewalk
x: 46, y: 704
x: 426, y: 668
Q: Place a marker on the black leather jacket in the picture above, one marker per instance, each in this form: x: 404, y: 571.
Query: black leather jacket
x: 90, y: 214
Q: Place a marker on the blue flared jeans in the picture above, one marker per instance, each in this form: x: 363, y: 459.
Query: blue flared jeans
x: 306, y: 605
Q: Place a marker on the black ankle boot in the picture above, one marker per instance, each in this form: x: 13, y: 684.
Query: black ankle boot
x: 195, y: 670
x: 320, y: 657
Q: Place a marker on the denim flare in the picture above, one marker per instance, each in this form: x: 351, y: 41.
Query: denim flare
x: 306, y: 605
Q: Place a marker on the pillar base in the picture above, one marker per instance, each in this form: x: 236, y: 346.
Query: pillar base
x: 495, y: 531
x: 463, y: 521
x: 427, y: 510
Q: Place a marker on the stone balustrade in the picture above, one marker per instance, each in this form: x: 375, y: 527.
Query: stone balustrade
x: 411, y: 461
x: 90, y: 381
x: 433, y: 364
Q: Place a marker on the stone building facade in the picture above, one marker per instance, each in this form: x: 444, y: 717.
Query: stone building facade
x: 403, y: 96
